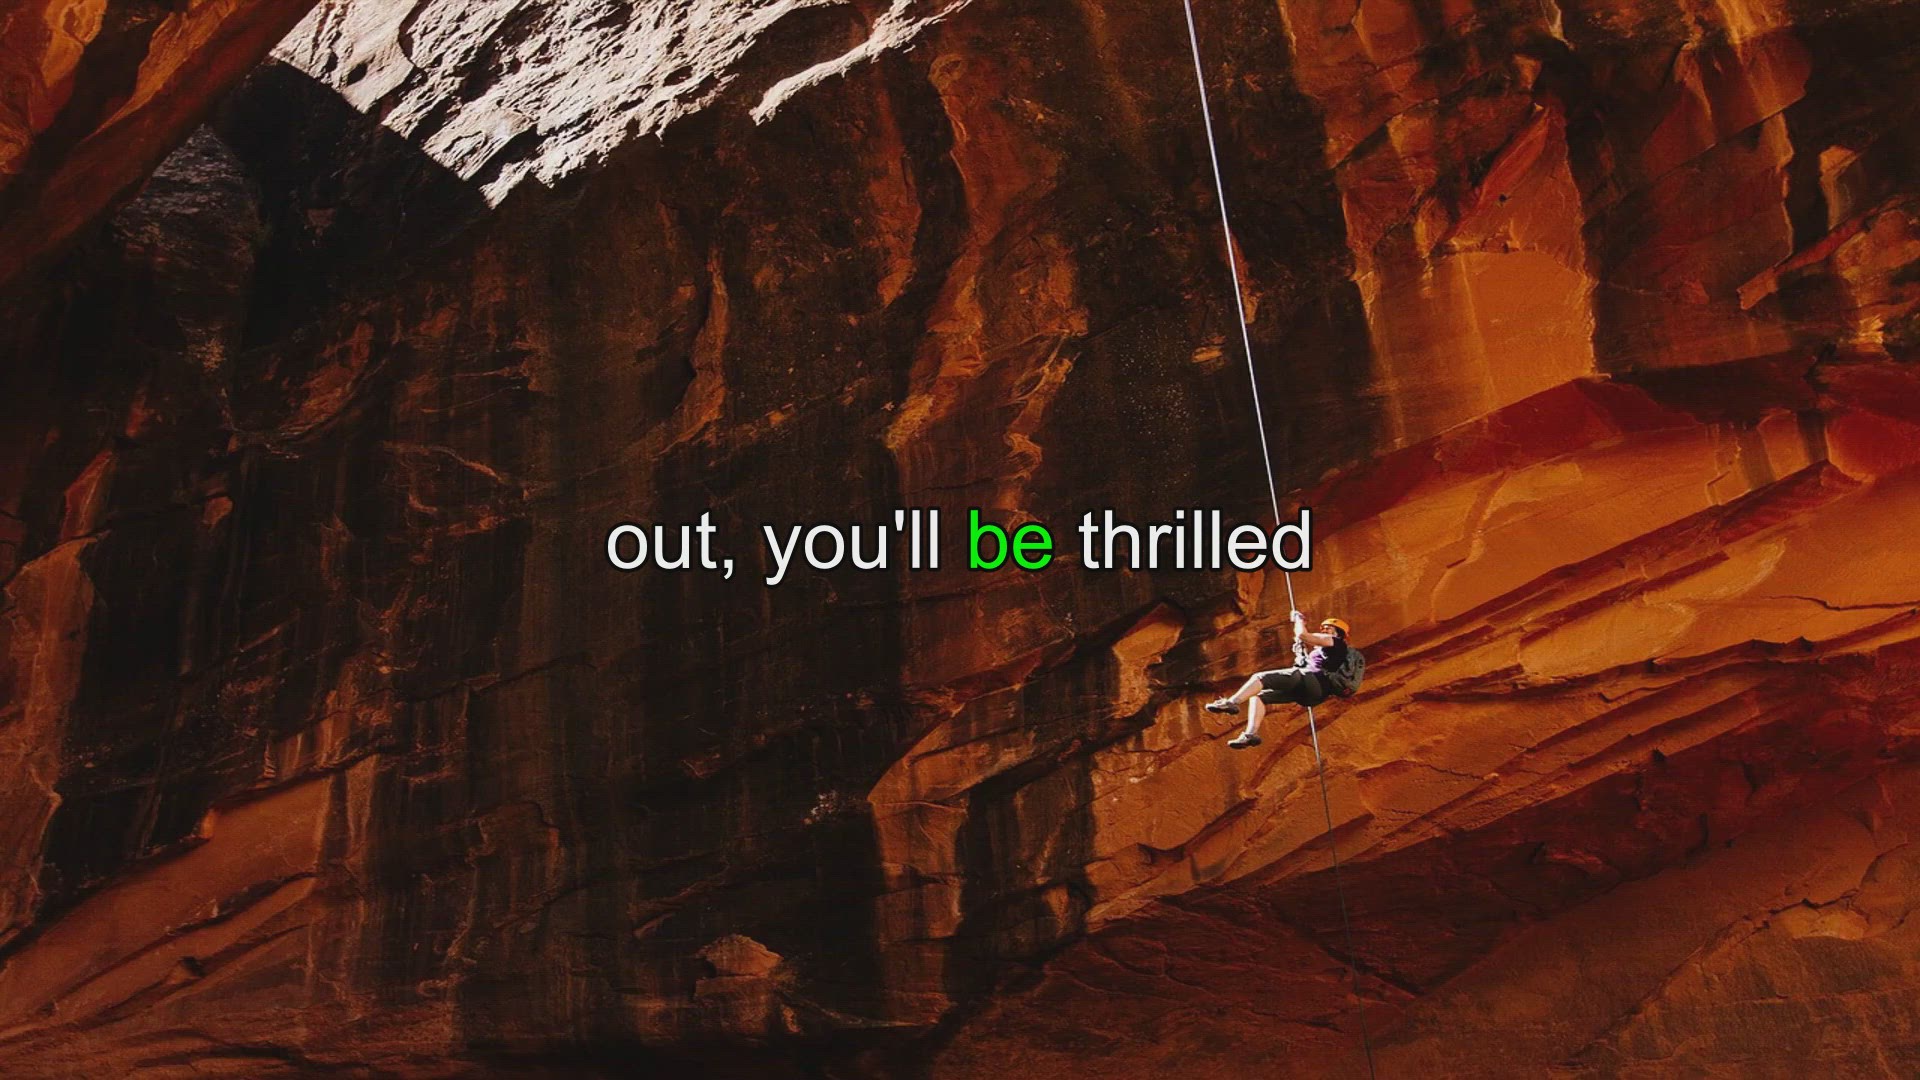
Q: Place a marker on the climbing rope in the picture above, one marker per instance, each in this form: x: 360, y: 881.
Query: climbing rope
x: 1273, y: 495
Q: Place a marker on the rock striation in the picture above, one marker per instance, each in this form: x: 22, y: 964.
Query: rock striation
x: 329, y: 741
x: 97, y: 92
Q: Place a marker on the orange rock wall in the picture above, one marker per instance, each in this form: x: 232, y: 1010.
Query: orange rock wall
x: 98, y: 91
x: 331, y: 741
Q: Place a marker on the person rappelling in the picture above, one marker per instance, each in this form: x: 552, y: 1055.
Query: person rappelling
x: 1330, y: 667
x: 1320, y: 672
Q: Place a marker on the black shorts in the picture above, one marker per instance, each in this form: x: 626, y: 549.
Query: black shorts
x: 1284, y: 686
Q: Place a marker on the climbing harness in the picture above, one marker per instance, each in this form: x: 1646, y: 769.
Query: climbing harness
x: 1273, y: 494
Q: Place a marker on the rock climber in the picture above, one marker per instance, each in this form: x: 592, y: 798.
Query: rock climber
x: 1330, y: 667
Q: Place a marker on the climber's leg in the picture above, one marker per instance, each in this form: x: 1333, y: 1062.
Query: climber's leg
x: 1313, y: 689
x: 1256, y: 715
x: 1289, y: 686
x: 1232, y: 704
x: 1283, y: 685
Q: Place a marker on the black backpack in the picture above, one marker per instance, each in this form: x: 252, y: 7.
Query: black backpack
x: 1345, y: 679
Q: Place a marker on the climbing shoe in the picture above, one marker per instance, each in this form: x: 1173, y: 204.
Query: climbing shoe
x: 1222, y: 705
x: 1245, y: 742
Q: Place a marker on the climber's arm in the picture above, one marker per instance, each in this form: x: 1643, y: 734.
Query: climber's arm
x: 1300, y: 632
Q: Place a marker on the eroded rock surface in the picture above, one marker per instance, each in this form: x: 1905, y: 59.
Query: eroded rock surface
x: 331, y: 742
x: 506, y: 91
x: 93, y: 93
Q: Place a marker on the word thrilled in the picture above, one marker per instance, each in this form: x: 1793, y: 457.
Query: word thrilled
x: 1194, y: 540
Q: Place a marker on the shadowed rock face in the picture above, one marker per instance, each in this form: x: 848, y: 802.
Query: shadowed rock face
x: 96, y: 92
x: 331, y: 741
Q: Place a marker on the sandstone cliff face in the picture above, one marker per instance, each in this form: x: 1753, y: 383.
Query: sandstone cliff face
x: 96, y: 92
x: 1586, y: 329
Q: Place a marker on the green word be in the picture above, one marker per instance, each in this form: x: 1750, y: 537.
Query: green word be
x: 1030, y: 545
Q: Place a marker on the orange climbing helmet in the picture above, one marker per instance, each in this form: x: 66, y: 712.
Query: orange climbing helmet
x: 1338, y: 624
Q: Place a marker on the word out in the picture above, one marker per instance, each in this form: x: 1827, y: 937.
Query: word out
x: 654, y: 544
